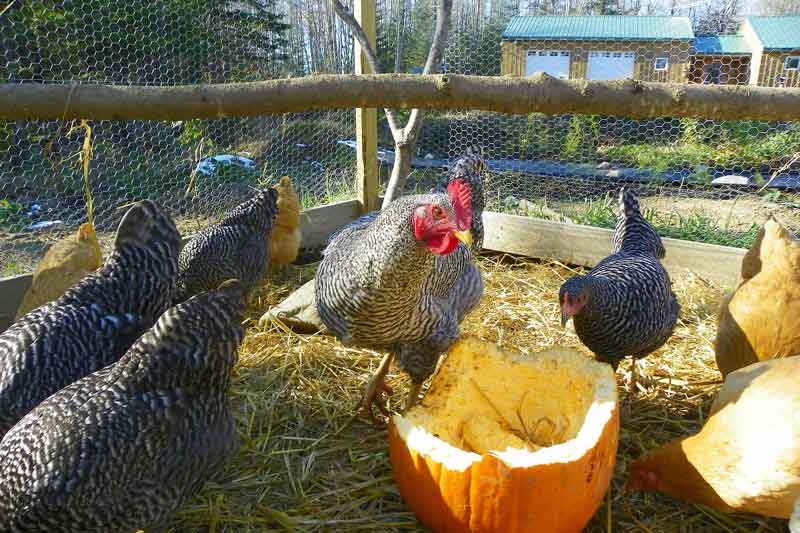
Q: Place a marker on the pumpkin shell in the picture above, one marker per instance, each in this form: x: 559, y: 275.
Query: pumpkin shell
x: 491, y: 495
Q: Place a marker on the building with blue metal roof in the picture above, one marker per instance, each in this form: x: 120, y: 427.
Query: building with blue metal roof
x: 775, y: 45
x: 766, y: 51
x: 598, y: 47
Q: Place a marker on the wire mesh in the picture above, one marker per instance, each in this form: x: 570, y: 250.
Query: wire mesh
x: 699, y: 179
x: 195, y: 169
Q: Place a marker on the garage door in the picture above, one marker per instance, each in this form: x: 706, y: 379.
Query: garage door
x: 610, y: 65
x: 553, y: 62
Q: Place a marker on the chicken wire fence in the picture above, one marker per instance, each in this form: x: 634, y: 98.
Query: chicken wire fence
x: 196, y: 169
x: 699, y: 179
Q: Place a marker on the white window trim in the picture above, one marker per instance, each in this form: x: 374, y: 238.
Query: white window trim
x: 549, y: 53
x: 617, y: 54
x: 786, y: 63
x: 666, y: 64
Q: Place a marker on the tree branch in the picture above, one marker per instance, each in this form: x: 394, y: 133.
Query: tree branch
x: 433, y: 63
x: 439, y: 37
x: 536, y: 94
x: 358, y: 34
x: 369, y: 52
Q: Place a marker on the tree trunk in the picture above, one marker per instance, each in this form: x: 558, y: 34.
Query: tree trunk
x: 403, y: 157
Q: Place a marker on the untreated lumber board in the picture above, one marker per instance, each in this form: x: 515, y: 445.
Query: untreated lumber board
x: 586, y: 246
x: 11, y: 292
x: 533, y: 94
x: 317, y: 224
x: 367, y: 182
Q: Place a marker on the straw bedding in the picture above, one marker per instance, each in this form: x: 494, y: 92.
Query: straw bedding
x: 307, y: 465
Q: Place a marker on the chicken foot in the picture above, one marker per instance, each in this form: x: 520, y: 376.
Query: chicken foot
x: 413, y: 396
x: 632, y: 378
x: 376, y: 389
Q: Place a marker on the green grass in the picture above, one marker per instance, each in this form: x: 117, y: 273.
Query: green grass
x: 693, y: 154
x: 11, y: 268
x: 695, y: 226
x: 12, y: 216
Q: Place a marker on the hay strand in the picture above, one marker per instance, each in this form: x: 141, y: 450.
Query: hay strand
x: 85, y: 156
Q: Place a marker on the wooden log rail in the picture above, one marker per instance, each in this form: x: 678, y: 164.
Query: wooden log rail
x: 540, y: 93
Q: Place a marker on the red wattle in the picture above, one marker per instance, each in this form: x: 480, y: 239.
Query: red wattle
x: 442, y: 244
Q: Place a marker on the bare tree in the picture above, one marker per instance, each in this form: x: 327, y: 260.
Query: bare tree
x: 400, y: 25
x: 779, y: 7
x: 405, y: 138
x: 721, y: 16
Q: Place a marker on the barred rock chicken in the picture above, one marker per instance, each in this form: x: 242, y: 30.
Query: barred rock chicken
x: 123, y: 448
x: 625, y: 305
x: 97, y: 320
x: 235, y: 247
x: 299, y: 310
x: 284, y: 241
x: 65, y: 264
x: 399, y: 280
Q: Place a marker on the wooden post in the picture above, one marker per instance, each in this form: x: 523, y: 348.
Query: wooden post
x: 366, y: 119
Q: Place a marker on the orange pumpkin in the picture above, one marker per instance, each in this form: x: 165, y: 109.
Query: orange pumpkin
x: 504, y: 442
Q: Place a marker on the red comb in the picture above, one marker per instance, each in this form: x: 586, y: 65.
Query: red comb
x: 461, y: 196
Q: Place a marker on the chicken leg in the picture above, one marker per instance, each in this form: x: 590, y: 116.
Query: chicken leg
x: 376, y: 388
x: 413, y: 396
x: 633, y: 378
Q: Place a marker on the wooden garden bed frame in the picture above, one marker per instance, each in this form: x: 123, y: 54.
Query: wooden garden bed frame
x: 568, y: 243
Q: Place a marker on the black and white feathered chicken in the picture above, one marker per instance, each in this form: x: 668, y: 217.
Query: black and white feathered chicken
x: 625, y: 305
x: 399, y: 280
x: 123, y: 448
x: 96, y: 320
x: 235, y: 247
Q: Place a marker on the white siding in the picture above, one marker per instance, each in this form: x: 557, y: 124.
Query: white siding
x: 756, y: 47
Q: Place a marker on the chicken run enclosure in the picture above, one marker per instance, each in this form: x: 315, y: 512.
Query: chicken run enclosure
x: 705, y: 183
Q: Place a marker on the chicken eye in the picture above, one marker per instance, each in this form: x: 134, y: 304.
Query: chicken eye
x: 437, y: 212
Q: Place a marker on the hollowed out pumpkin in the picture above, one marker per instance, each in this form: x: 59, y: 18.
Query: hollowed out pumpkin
x: 508, y: 443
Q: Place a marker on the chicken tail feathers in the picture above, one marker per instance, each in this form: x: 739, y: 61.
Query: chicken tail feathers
x: 633, y: 232
x: 144, y: 224
x: 261, y: 209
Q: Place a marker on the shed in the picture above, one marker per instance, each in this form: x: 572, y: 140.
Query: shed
x: 720, y: 59
x: 775, y: 43
x: 604, y: 47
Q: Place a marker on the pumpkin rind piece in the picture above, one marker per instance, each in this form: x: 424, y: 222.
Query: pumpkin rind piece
x: 488, y: 493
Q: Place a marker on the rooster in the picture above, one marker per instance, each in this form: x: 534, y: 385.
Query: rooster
x: 235, y: 247
x: 124, y: 447
x: 399, y: 280
x: 625, y: 305
x: 94, y: 322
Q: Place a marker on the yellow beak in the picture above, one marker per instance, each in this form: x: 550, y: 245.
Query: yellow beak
x: 464, y: 236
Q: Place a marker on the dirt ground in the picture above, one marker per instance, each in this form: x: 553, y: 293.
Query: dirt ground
x: 735, y: 213
x: 20, y: 252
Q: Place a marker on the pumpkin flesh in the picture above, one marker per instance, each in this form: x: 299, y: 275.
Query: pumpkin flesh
x: 507, y: 442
